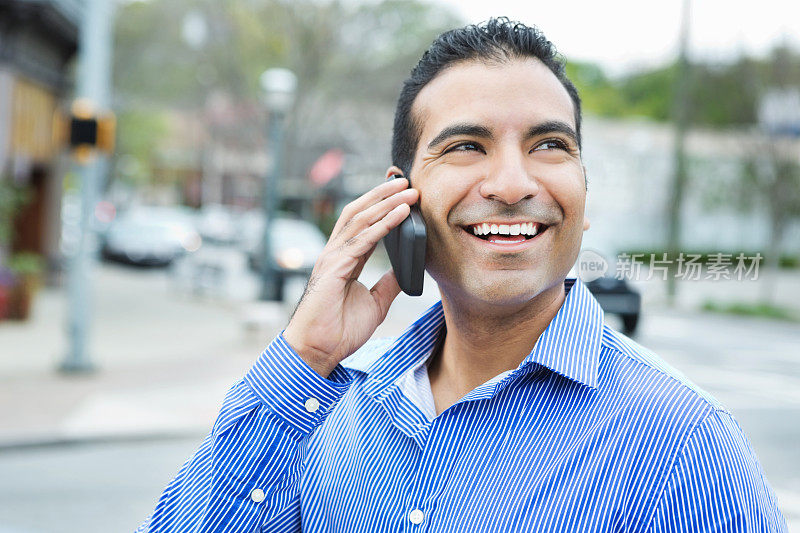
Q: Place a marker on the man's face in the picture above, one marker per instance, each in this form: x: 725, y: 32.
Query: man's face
x: 498, y: 148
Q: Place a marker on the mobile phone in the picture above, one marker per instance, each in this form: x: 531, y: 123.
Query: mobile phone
x: 405, y: 245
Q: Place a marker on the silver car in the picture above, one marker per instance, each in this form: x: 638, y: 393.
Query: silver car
x: 150, y: 236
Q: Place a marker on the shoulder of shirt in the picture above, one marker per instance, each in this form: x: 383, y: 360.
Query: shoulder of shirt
x: 646, y: 357
x: 364, y: 357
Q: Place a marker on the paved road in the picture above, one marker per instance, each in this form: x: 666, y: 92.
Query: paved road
x: 751, y: 365
x: 85, y: 488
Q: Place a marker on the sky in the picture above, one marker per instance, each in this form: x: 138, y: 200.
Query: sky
x: 624, y: 35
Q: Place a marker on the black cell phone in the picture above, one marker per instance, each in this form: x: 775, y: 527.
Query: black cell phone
x: 405, y: 245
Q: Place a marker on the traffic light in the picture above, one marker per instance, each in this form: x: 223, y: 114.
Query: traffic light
x: 85, y: 130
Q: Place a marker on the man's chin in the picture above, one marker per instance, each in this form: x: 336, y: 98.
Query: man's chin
x: 502, y: 288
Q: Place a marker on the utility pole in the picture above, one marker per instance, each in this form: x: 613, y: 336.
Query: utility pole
x: 278, y: 86
x: 679, y: 177
x: 92, y: 89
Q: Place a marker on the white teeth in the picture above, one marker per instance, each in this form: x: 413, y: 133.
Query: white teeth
x: 525, y: 228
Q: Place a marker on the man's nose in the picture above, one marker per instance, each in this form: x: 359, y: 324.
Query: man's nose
x: 508, y: 180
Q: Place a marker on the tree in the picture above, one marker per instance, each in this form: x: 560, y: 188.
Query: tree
x: 350, y: 60
x: 770, y: 178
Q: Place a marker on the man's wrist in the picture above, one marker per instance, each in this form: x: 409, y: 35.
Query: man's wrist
x: 319, y: 361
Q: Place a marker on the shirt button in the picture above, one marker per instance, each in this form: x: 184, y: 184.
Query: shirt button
x: 257, y: 495
x: 416, y: 516
x: 311, y: 405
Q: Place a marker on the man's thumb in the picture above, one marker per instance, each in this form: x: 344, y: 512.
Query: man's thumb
x: 385, y: 291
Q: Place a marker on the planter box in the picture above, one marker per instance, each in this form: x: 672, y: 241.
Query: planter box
x: 20, y: 298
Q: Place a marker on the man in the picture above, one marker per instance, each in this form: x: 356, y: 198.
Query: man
x: 508, y: 406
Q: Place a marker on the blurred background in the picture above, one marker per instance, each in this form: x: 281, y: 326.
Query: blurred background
x: 170, y: 169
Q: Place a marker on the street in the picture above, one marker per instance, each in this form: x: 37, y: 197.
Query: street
x: 108, y: 443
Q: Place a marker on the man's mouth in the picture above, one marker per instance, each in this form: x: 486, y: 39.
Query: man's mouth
x: 505, y: 233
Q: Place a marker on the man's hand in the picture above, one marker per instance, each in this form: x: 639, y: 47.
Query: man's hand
x: 337, y: 314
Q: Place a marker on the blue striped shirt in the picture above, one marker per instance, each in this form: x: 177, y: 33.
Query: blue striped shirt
x: 592, y: 432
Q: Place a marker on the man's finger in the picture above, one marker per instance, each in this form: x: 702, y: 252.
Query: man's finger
x: 373, y: 214
x: 373, y: 196
x: 360, y: 244
x: 363, y: 261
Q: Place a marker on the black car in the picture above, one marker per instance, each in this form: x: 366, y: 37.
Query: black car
x: 617, y: 297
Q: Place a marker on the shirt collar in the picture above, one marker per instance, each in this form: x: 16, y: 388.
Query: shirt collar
x: 569, y: 345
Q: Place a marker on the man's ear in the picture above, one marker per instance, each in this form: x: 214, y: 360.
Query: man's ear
x: 394, y: 172
x: 585, y: 177
x: 586, y: 222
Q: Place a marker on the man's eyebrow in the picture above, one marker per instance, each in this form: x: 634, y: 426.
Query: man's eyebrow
x: 476, y: 130
x: 553, y: 126
x: 463, y: 128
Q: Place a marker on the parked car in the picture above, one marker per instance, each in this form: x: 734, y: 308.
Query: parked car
x: 615, y: 295
x: 295, y: 246
x: 217, y: 224
x: 151, y: 236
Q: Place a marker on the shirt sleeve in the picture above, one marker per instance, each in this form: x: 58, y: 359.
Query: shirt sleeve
x: 246, y: 473
x: 717, y: 484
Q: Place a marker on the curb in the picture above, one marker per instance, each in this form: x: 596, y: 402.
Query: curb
x: 56, y: 441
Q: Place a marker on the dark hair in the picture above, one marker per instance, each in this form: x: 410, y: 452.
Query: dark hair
x: 495, y: 40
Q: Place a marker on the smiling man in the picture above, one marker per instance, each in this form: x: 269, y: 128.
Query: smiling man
x: 509, y: 405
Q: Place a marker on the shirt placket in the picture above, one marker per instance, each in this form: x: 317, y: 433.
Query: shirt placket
x: 439, y: 448
x: 443, y: 447
x: 426, y: 481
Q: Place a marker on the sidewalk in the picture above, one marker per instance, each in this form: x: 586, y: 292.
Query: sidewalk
x: 164, y: 363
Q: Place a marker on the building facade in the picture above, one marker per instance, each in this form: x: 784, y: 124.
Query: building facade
x: 38, y: 40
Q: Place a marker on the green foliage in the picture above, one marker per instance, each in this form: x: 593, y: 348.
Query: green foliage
x: 152, y: 64
x: 771, y: 178
x: 650, y: 94
x: 752, y: 309
x: 720, y: 96
x: 646, y: 94
x: 599, y: 96
x: 26, y: 264
x: 707, y: 256
x: 725, y: 96
x: 12, y: 198
x: 141, y: 133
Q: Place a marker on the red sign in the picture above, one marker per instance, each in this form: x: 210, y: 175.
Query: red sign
x: 327, y: 167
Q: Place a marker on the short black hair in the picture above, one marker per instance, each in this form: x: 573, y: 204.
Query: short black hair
x: 496, y: 40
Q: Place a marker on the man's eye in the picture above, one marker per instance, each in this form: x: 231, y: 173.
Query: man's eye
x: 464, y: 147
x: 552, y: 144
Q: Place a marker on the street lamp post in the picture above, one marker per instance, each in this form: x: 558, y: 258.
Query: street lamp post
x: 278, y: 86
